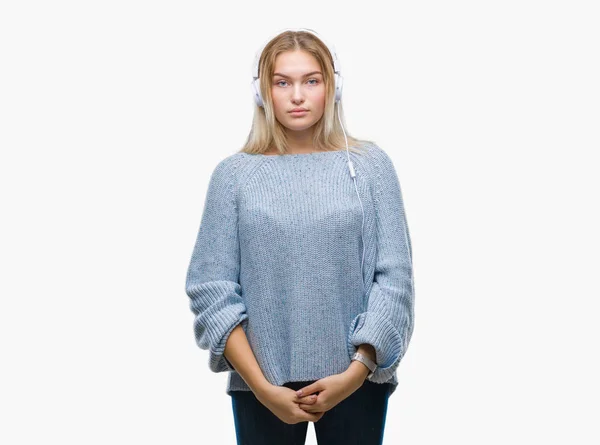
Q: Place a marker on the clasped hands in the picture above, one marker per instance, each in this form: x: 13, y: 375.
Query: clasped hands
x: 312, y: 401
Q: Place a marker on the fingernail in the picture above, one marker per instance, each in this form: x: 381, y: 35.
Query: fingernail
x: 299, y: 392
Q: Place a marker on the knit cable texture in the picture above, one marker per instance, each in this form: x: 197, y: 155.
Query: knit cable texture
x: 279, y: 251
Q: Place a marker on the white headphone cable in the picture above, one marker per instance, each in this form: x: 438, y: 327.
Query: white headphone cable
x: 353, y: 175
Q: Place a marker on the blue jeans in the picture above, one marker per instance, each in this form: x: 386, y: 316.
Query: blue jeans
x: 357, y: 420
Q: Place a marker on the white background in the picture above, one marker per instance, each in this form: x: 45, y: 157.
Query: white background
x: 113, y: 115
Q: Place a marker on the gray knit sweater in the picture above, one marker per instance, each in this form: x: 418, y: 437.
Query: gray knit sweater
x: 279, y: 250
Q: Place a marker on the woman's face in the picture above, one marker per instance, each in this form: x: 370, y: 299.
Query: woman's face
x: 297, y: 83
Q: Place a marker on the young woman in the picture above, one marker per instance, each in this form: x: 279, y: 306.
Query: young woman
x: 301, y: 275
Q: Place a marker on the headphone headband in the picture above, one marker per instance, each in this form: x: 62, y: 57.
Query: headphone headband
x: 330, y: 47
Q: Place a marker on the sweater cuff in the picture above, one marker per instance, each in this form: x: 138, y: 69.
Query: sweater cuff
x: 376, y: 330
x: 217, y: 362
x: 213, y: 327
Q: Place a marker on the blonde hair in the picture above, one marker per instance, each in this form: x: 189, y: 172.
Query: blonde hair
x: 267, y: 132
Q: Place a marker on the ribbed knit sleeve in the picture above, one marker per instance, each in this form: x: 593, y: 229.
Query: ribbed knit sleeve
x: 212, y: 278
x: 388, y: 321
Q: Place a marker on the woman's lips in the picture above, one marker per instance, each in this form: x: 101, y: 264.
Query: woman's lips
x: 298, y: 113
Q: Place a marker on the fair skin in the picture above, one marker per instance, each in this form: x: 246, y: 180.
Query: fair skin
x: 298, y: 82
x: 284, y: 402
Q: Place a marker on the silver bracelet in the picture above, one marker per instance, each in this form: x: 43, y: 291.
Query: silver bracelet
x: 366, y: 361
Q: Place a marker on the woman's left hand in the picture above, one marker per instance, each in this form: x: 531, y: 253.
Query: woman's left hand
x: 330, y: 391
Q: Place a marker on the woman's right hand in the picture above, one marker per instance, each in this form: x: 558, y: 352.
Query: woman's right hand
x: 282, y: 402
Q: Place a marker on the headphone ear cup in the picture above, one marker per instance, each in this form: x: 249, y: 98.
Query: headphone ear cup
x: 339, y: 84
x: 256, y: 90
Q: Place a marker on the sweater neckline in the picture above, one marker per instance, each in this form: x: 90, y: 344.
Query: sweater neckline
x: 298, y: 155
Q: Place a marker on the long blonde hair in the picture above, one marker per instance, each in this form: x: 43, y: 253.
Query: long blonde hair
x: 267, y: 132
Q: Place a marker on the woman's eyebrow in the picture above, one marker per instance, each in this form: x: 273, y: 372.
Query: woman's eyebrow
x: 306, y: 75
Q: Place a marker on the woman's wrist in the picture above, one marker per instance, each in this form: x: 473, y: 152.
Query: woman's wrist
x: 367, y: 350
x: 358, y: 370
x: 261, y: 387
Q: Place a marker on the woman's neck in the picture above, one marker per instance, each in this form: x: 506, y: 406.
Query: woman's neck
x: 300, y: 142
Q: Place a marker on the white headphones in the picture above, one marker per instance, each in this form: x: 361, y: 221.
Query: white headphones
x: 338, y: 96
x: 339, y: 80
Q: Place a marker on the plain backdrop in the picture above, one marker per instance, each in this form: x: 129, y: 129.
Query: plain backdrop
x: 113, y: 114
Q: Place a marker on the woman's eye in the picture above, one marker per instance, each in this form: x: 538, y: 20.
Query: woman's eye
x: 316, y: 81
